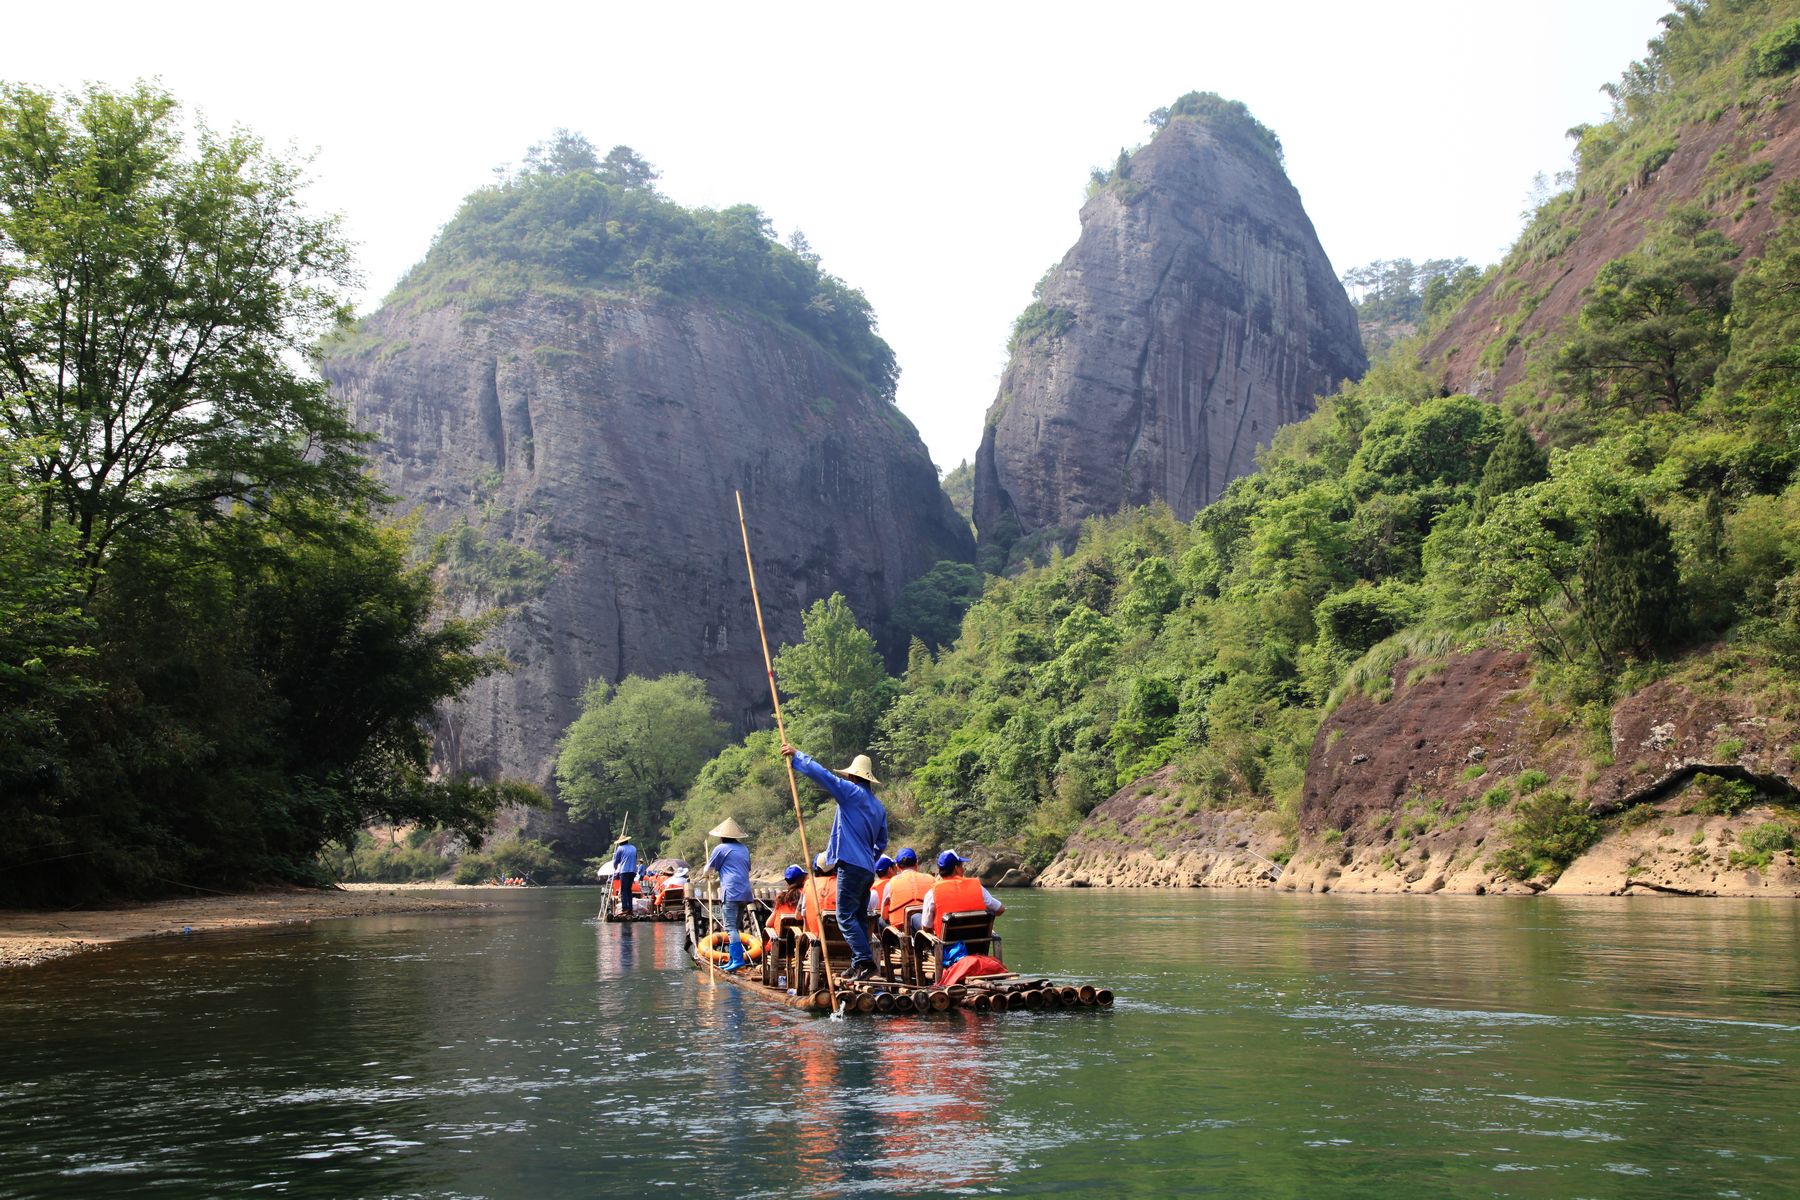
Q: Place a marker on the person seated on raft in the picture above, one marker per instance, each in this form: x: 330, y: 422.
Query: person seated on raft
x: 884, y: 871
x: 955, y: 892
x: 784, y: 916
x: 909, y: 885
x: 823, y: 885
x: 731, y: 860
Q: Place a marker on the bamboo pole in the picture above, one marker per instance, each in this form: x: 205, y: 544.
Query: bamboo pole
x: 712, y: 918
x: 781, y: 732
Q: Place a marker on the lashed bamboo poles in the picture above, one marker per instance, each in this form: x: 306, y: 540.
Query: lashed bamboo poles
x: 781, y: 731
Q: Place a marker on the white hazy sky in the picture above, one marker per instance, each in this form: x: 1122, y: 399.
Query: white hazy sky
x: 934, y: 154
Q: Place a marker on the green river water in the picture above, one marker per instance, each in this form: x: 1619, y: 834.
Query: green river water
x: 1263, y: 1045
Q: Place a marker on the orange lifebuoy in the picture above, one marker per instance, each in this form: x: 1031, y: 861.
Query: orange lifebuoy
x: 714, y: 950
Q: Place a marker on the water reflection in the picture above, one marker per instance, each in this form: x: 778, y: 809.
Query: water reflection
x: 1264, y: 1045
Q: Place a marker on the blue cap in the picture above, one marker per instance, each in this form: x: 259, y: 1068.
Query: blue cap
x: 884, y: 863
x: 948, y: 859
x: 794, y: 874
x: 908, y: 855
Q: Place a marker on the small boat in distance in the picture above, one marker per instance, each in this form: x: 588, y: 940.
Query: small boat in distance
x: 657, y: 893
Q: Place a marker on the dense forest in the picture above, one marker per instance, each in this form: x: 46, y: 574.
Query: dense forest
x: 1629, y: 504
x: 215, y: 656
x: 218, y: 657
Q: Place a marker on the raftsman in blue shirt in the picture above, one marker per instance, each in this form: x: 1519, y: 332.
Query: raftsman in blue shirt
x: 625, y: 860
x: 859, y: 832
x: 731, y: 860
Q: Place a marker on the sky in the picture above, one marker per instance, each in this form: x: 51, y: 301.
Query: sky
x: 934, y: 154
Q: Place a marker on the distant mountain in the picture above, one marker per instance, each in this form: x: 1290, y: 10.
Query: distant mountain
x: 566, y: 393
x: 1195, y: 315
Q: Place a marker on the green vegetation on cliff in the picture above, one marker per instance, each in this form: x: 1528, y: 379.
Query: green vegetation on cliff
x: 571, y: 220
x: 1636, y: 502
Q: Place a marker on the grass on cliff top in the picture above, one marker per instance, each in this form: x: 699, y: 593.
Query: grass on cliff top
x: 572, y: 225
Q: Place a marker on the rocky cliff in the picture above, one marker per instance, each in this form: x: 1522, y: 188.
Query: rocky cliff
x: 1729, y: 164
x: 606, y: 434
x: 1195, y: 315
x: 1421, y: 791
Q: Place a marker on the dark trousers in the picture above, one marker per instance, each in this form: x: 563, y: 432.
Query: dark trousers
x: 626, y: 880
x: 853, y: 911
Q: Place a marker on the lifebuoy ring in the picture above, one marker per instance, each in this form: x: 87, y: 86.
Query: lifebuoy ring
x: 714, y: 950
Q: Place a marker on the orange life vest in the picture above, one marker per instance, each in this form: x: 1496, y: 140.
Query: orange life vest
x: 787, y: 904
x: 908, y: 887
x: 821, y: 897
x: 958, y: 894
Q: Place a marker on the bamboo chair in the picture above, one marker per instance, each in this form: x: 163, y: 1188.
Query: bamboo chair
x: 975, y: 930
x: 897, y: 949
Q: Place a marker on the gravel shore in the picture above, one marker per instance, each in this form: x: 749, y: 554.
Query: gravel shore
x: 31, y: 937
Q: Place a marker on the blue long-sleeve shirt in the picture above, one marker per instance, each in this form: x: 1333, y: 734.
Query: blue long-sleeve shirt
x: 859, y: 831
x: 731, y: 860
x: 625, y: 860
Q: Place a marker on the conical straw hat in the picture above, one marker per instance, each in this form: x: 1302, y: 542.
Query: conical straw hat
x: 862, y: 768
x: 727, y: 828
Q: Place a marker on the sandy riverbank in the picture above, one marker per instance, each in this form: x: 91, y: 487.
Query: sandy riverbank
x: 31, y: 937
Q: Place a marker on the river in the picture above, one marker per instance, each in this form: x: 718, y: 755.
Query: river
x: 1263, y: 1045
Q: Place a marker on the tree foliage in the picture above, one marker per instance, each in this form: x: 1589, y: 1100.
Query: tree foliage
x: 567, y: 220
x: 1653, y: 329
x: 152, y: 307
x: 213, y: 660
x: 835, y: 681
x: 635, y: 749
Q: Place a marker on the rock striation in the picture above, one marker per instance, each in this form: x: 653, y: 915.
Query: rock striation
x: 606, y: 434
x: 1195, y: 315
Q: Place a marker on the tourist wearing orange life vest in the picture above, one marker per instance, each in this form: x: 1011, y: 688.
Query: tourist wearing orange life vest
x: 908, y: 886
x: 823, y: 887
x: 884, y: 871
x: 787, y: 901
x: 955, y: 893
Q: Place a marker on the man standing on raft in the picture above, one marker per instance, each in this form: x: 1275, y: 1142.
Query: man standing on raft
x: 858, y: 835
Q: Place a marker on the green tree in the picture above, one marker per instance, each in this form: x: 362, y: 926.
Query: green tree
x: 1652, y: 332
x: 1517, y: 461
x: 1631, y: 585
x: 837, y: 686
x: 564, y: 152
x: 1765, y: 316
x: 636, y: 749
x: 154, y: 308
x: 931, y: 607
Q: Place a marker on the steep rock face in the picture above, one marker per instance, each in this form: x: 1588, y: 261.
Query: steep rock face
x: 1484, y: 347
x: 608, y: 435
x: 1195, y: 315
x: 1417, y: 793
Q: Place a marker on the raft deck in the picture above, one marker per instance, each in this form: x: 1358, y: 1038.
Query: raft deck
x: 978, y: 993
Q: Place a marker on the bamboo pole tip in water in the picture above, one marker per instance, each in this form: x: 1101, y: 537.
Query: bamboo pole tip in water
x: 1104, y: 998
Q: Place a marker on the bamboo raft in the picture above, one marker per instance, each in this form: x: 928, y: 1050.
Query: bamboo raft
x: 1004, y: 992
x: 643, y: 909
